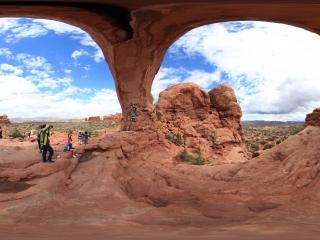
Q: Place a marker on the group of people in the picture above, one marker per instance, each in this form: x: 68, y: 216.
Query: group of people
x: 44, y: 132
x: 83, y: 137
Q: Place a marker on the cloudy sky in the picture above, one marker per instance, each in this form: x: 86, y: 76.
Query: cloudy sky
x: 52, y: 69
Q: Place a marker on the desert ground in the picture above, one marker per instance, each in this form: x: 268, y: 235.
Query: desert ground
x: 68, y: 215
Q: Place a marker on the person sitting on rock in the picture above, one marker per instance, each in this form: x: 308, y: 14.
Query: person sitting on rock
x: 45, y: 143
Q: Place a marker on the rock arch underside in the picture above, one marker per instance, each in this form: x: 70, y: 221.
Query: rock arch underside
x: 131, y: 182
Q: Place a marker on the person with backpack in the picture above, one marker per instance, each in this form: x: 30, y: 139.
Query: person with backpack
x: 38, y: 136
x: 45, y: 143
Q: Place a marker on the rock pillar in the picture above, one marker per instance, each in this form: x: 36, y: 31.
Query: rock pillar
x: 134, y: 66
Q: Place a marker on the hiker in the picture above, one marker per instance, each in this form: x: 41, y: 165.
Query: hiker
x: 38, y: 136
x: 0, y: 132
x: 80, y: 138
x: 45, y: 143
x: 86, y: 137
x: 69, y: 146
x: 132, y: 113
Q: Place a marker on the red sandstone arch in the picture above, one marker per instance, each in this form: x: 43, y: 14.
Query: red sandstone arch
x: 134, y: 35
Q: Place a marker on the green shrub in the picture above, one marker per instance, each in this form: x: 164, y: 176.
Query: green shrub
x: 175, y: 138
x: 186, y: 157
x: 254, y: 147
x: 267, y: 146
x: 15, y: 133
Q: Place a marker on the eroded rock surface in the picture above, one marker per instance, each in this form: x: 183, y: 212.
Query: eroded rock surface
x: 209, y: 122
x: 313, y: 119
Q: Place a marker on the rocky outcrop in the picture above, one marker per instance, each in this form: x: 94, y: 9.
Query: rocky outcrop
x: 116, y: 118
x: 313, y: 119
x: 93, y: 119
x: 209, y: 122
x: 4, y: 119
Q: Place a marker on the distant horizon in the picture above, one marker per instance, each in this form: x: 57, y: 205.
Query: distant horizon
x: 30, y: 119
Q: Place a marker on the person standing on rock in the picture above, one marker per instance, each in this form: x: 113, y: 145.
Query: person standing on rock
x: 0, y: 132
x: 45, y: 143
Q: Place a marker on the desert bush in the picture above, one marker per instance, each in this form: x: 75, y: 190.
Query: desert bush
x: 196, y: 160
x: 267, y: 146
x: 175, y: 138
x: 15, y: 133
x: 254, y: 147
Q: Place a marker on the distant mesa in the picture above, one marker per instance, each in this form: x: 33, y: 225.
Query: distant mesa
x: 4, y: 119
x: 113, y: 117
x: 93, y: 119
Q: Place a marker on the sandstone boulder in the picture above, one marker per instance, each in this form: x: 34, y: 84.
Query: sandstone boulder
x: 313, y: 119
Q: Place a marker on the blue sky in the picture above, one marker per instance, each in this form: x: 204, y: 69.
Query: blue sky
x: 52, y: 69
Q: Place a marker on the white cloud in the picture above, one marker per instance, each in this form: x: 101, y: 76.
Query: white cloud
x: 58, y: 27
x: 13, y: 86
x: 13, y: 31
x: 7, y: 23
x: 86, y: 40
x: 31, y: 86
x: 167, y: 77
x: 20, y: 97
x: 33, y: 62
x: 6, y: 69
x: 78, y: 53
x: 6, y: 53
x: 272, y: 67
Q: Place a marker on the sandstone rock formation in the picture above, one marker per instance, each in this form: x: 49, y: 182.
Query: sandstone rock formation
x: 207, y: 121
x: 313, y: 119
x: 133, y: 178
x: 4, y: 119
x: 116, y: 118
